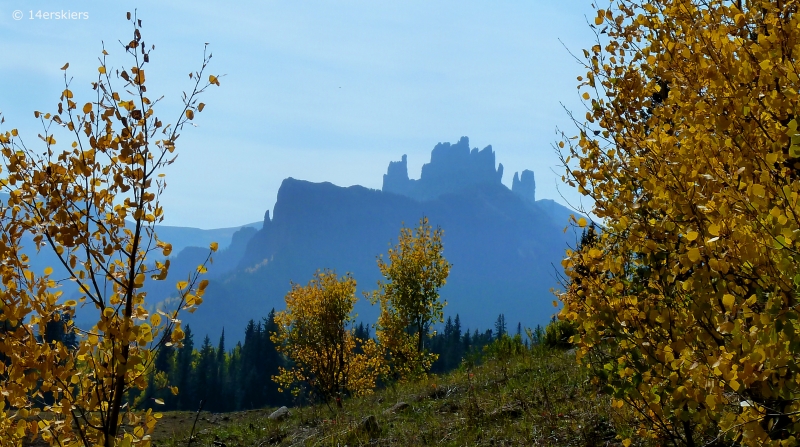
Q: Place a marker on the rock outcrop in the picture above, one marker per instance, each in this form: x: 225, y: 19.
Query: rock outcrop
x: 280, y: 414
x: 453, y: 167
x: 524, y: 186
x: 396, y: 408
x: 396, y: 178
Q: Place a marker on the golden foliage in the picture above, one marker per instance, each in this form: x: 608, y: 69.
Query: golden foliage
x: 316, y: 332
x: 409, y: 298
x: 94, y: 204
x: 687, y: 305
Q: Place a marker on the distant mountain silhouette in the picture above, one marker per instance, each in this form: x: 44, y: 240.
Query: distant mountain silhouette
x: 505, y: 247
x: 183, y: 237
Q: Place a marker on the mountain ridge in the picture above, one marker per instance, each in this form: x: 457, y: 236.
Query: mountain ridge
x: 503, y: 248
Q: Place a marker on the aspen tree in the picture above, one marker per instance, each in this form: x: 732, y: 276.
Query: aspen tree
x: 687, y: 302
x: 90, y: 194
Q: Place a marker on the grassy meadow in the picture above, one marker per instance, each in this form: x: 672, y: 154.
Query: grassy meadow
x: 538, y: 396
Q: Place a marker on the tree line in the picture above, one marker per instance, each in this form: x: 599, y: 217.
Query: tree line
x: 241, y: 377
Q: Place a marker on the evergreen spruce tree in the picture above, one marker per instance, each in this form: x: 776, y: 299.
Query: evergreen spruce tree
x: 203, y: 374
x: 183, y: 373
x: 272, y: 360
x: 456, y: 342
x: 220, y: 379
x: 162, y: 369
x: 249, y: 376
x: 500, y: 326
x: 233, y: 389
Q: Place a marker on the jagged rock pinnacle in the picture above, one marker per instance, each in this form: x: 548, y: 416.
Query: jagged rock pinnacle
x: 452, y: 168
x: 524, y: 185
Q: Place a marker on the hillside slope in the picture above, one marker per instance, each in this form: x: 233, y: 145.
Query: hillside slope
x: 540, y: 397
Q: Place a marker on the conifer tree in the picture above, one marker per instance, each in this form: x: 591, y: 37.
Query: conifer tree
x: 203, y: 374
x: 184, y: 373
x: 500, y: 326
x: 219, y: 378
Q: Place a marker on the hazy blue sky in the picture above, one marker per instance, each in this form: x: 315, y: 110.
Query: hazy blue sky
x: 320, y: 91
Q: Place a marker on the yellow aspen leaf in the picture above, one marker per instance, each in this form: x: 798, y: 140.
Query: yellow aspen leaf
x: 626, y: 442
x: 182, y: 285
x: 598, y: 21
x: 87, y: 107
x: 692, y: 235
x: 48, y: 270
x: 101, y: 69
x: 694, y: 254
x: 65, y: 66
x: 214, y: 246
x: 758, y: 190
x: 177, y: 334
x: 728, y: 300
x: 189, y: 114
x: 582, y: 222
x: 713, y: 229
x: 200, y: 107
x: 585, y: 95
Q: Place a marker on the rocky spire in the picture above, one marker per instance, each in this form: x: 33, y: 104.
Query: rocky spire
x: 524, y: 185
